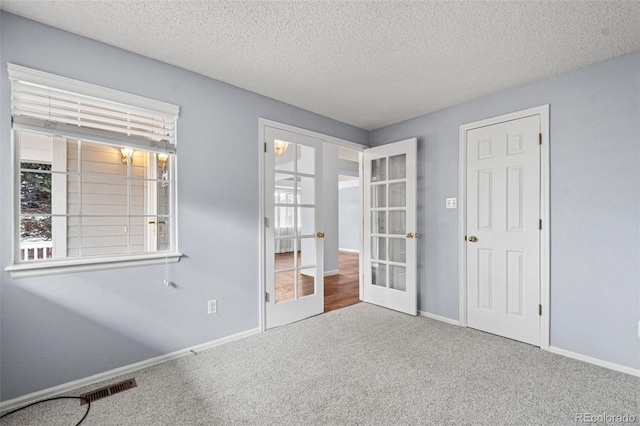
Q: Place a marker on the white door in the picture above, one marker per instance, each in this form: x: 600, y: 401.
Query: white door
x: 503, y: 237
x: 390, y: 226
x: 293, y: 231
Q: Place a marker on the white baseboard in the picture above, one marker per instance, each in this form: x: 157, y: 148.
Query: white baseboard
x: 66, y: 387
x: 596, y: 361
x: 439, y: 318
x: 349, y: 250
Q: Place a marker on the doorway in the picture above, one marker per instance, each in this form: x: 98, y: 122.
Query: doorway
x: 343, y: 289
x: 504, y: 224
x: 301, y: 266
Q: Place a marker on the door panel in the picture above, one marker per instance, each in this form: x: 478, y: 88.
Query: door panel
x: 503, y: 247
x: 390, y: 226
x: 294, y: 249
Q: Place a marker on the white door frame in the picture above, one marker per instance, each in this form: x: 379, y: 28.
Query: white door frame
x: 262, y: 124
x: 545, y: 282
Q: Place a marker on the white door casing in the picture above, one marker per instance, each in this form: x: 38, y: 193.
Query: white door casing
x: 295, y: 287
x: 389, y: 230
x: 504, y: 198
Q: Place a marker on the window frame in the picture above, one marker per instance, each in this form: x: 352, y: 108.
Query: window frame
x: 24, y: 269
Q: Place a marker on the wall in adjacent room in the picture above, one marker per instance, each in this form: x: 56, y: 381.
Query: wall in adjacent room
x: 349, y: 213
x: 595, y: 203
x: 61, y: 328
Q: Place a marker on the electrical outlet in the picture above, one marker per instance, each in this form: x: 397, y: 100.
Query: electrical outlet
x: 212, y: 306
x: 452, y: 203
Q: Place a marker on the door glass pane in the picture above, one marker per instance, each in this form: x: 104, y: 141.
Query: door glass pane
x: 164, y: 235
x: 306, y: 282
x: 379, y: 248
x: 379, y: 222
x: 284, y: 253
x: 284, y: 222
x: 284, y: 286
x: 397, y: 250
x: 397, y: 277
x: 284, y: 188
x: 306, y: 189
x: 306, y: 159
x: 306, y: 220
x: 307, y: 252
x: 397, y: 222
x: 379, y: 196
x: 398, y: 167
x: 397, y: 194
x: 379, y: 274
x: 285, y: 155
x: 379, y: 170
x: 164, y: 198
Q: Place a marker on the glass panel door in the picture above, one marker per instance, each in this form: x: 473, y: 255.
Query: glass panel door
x: 394, y: 209
x: 390, y: 221
x: 294, y: 217
x: 294, y: 212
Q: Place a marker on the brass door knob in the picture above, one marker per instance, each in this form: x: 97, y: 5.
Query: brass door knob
x: 320, y: 235
x: 473, y: 238
x: 410, y: 235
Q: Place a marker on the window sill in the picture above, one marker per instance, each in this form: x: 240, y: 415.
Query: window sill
x: 38, y: 269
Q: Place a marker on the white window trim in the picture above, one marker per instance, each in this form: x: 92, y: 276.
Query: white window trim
x: 53, y: 267
x: 73, y: 265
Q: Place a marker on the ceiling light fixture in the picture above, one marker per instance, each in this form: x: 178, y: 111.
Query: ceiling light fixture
x: 280, y: 147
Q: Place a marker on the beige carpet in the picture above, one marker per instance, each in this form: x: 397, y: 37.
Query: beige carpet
x: 359, y: 365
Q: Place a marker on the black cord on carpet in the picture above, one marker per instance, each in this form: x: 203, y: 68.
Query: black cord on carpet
x: 52, y: 399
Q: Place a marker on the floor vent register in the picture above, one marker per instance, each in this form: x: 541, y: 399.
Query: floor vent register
x: 108, y: 391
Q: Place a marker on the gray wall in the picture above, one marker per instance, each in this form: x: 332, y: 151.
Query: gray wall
x: 330, y: 207
x: 349, y: 214
x: 595, y: 203
x: 65, y: 327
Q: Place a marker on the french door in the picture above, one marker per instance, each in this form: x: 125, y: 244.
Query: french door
x: 390, y: 226
x: 294, y: 263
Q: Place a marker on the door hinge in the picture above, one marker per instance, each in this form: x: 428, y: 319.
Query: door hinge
x: 540, y: 310
x: 266, y: 222
x: 265, y: 147
x: 540, y: 138
x: 540, y: 224
x: 266, y: 297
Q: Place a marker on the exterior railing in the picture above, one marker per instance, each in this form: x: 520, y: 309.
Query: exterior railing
x: 36, y: 250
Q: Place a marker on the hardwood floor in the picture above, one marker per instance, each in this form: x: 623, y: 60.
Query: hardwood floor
x: 340, y: 290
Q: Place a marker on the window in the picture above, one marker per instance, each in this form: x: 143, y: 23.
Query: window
x: 95, y: 175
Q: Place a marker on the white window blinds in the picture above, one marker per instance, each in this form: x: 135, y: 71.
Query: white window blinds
x: 47, y: 102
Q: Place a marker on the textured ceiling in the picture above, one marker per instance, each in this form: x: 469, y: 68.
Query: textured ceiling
x: 368, y: 64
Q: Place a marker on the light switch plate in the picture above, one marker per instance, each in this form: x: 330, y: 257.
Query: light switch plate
x: 452, y: 203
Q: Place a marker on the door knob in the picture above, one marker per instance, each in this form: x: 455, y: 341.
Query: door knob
x: 410, y: 235
x: 473, y: 238
x: 320, y: 235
